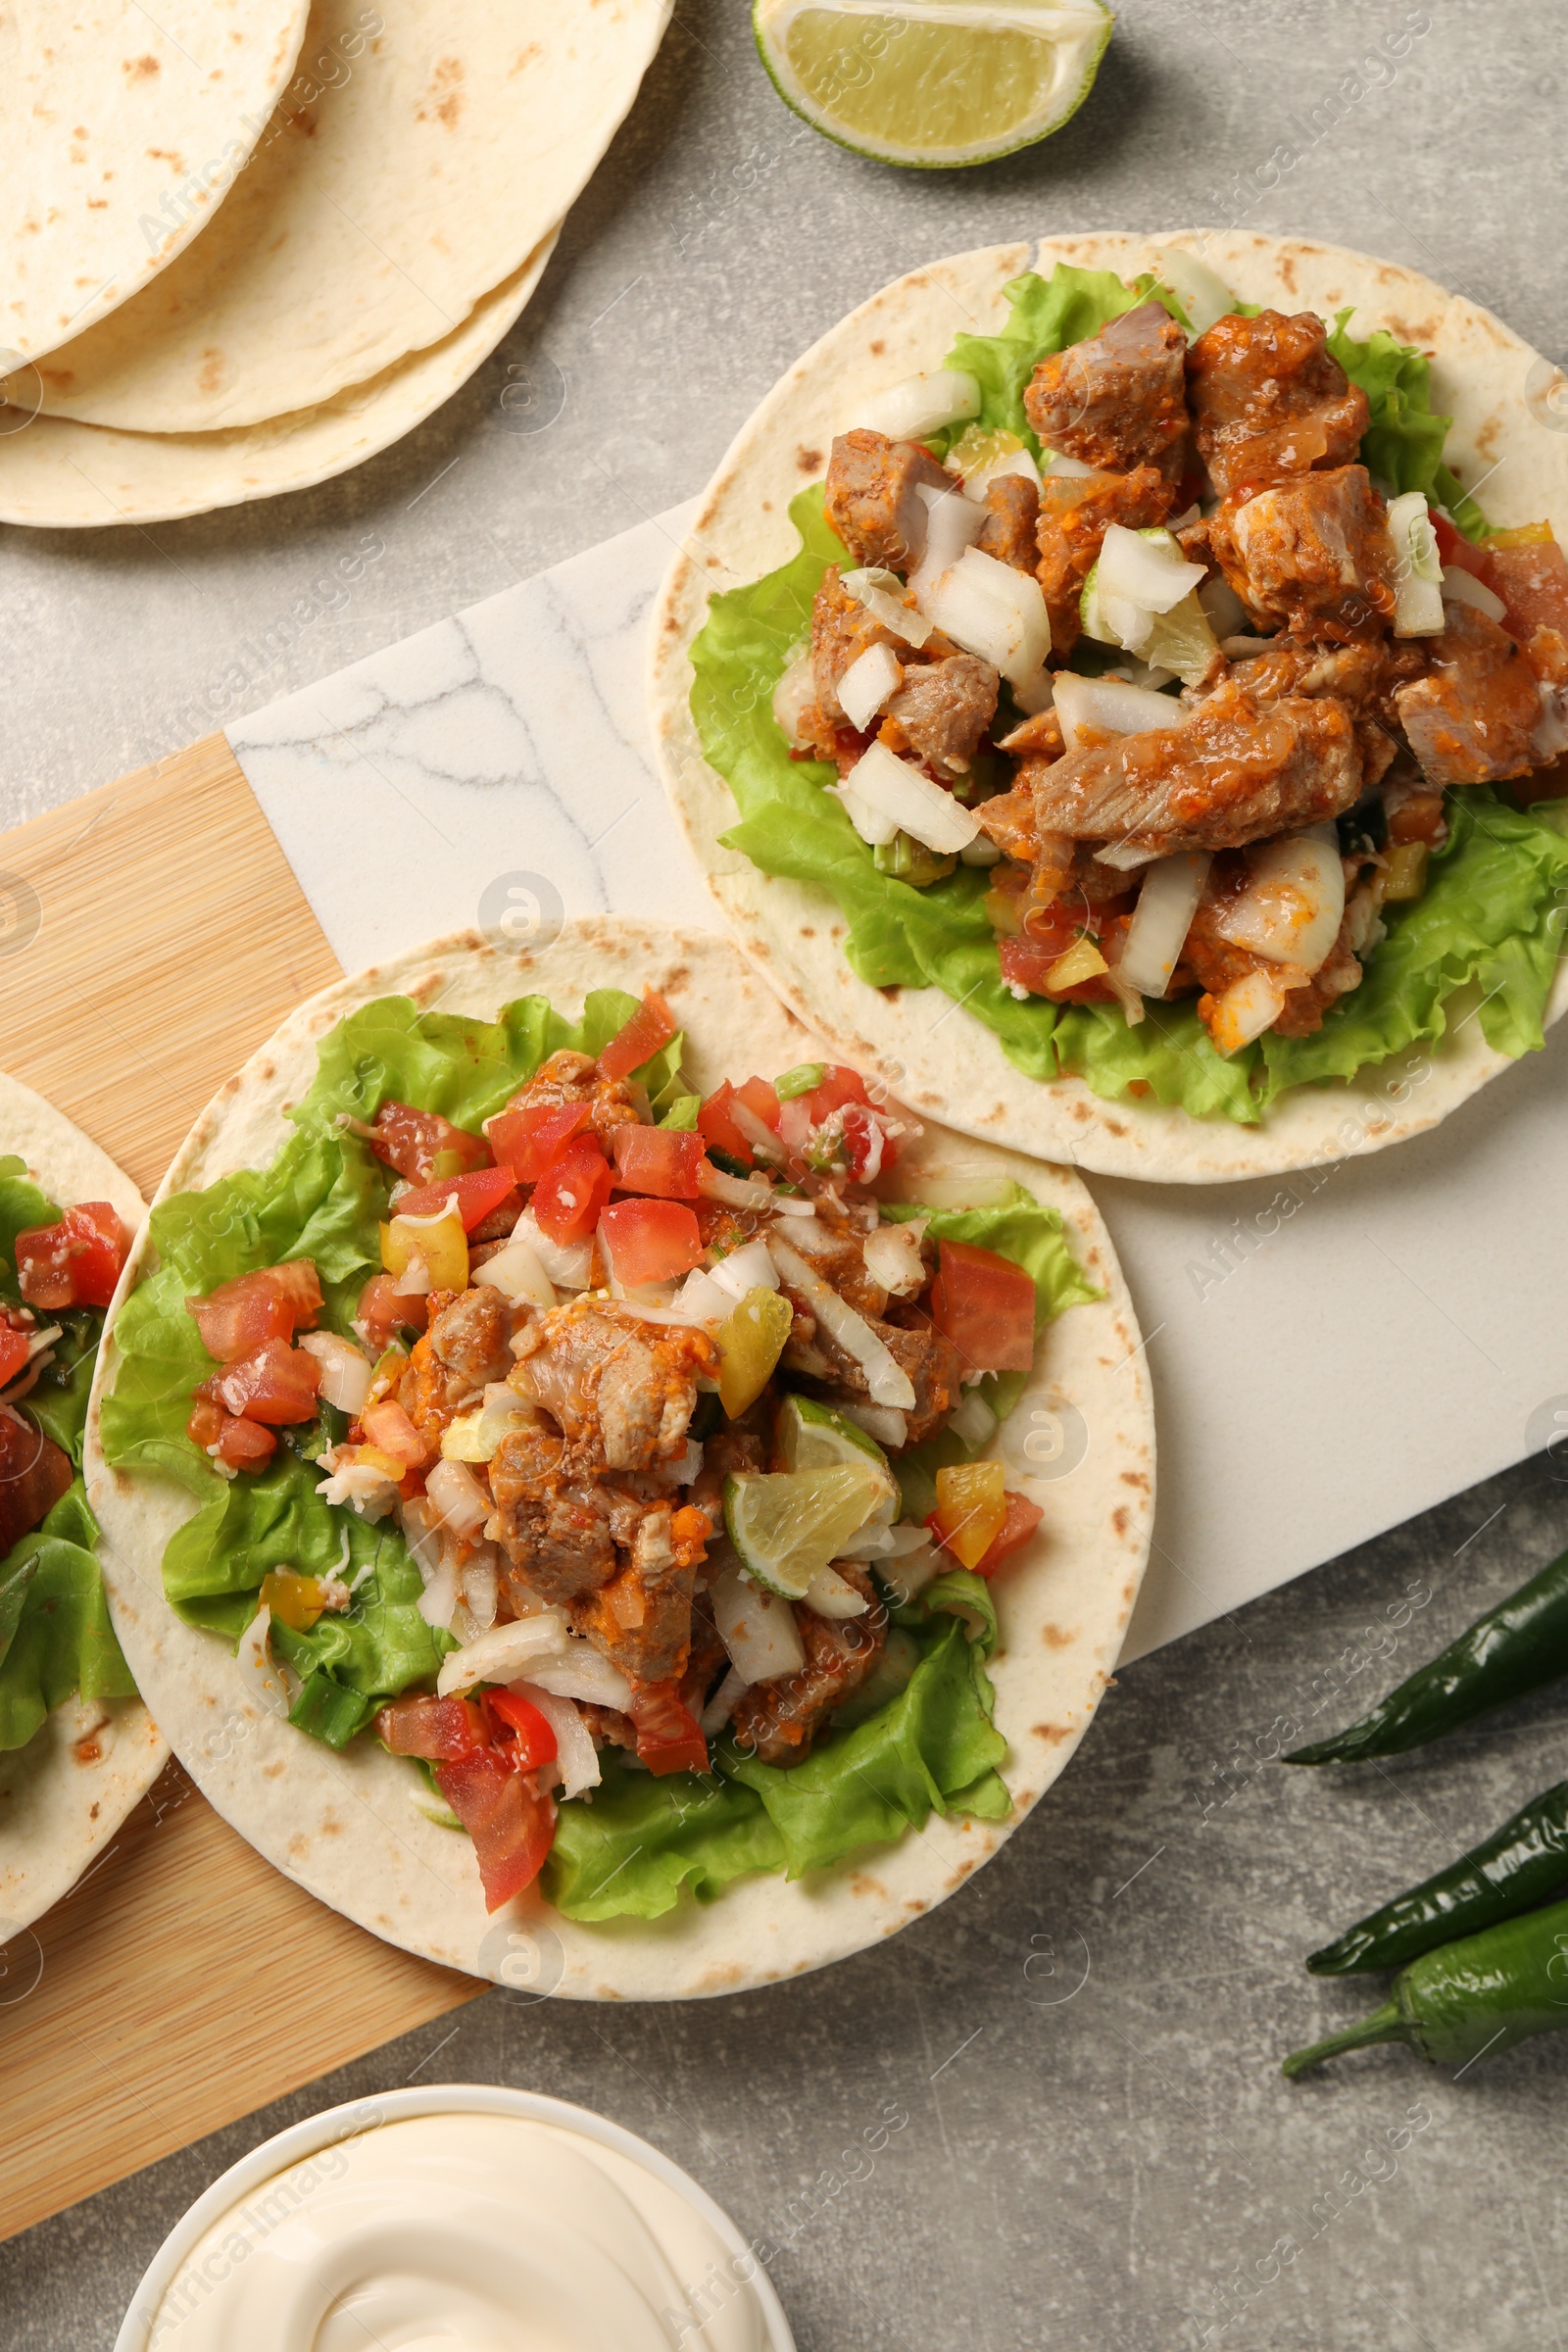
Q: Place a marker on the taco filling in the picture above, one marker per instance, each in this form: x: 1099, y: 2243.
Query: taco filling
x: 58, y: 1270
x: 622, y: 1457
x: 1161, y: 697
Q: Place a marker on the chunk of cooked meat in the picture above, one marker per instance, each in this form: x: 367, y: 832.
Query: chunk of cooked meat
x: 873, y: 499
x: 842, y: 630
x: 556, y: 1543
x: 1471, y: 718
x: 1312, y: 555
x: 708, y: 1662
x: 1076, y: 509
x: 1335, y: 977
x: 467, y: 1346
x: 1012, y: 518
x: 945, y: 708
x: 725, y: 1452
x: 933, y: 1364
x: 1354, y: 675
x: 840, y: 1259
x: 1117, y: 399
x: 640, y: 1620
x: 1039, y: 736
x: 1268, y: 399
x: 569, y: 1079
x: 1414, y: 813
x: 1237, y: 772
x: 775, y: 1721
x: 621, y: 1391
x: 1214, y: 964
x: 34, y: 1472
x: 495, y: 1227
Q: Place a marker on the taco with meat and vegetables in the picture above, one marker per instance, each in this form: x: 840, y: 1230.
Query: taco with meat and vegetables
x: 579, y: 1461
x: 78, y: 1748
x: 1134, y: 672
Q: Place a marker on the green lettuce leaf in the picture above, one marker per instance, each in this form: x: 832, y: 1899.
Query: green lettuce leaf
x: 55, y: 1631
x: 1494, y: 909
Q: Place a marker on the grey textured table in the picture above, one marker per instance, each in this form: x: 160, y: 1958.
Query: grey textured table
x: 1068, y: 2074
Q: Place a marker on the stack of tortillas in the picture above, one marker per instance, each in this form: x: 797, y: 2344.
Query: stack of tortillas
x: 250, y: 242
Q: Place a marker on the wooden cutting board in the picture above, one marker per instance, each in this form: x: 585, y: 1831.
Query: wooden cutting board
x: 152, y: 935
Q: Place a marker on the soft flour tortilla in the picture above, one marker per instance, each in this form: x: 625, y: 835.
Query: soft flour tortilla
x: 377, y: 217
x: 57, y: 476
x: 936, y: 1057
x: 66, y: 1793
x: 345, y: 1825
x: 121, y: 129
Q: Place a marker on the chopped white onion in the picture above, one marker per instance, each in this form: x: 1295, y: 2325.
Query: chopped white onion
x: 1293, y: 904
x: 953, y: 524
x: 871, y: 680
x: 1551, y: 738
x: 757, y: 1628
x: 1093, y: 707
x: 794, y: 696
x: 1202, y: 295
x: 422, y: 1532
x: 581, y: 1672
x: 748, y: 1268
x: 921, y: 405
x: 346, y: 1370
x: 973, y: 1423
x: 1247, y: 1008
x: 1417, y: 569
x: 736, y: 1192
x: 721, y: 1706
x: 1062, y: 467
x: 916, y: 1569
x: 880, y: 1421
x: 569, y: 1265
x: 266, y: 1680
x: 888, y: 1382
x: 370, y: 1491
x: 1161, y: 920
x: 1146, y: 568
x: 1224, y: 609
x: 1123, y: 857
x: 874, y: 829
x: 833, y: 1596
x: 893, y: 1256
x: 576, y: 1751
x: 901, y: 797
x: 1462, y: 587
x: 474, y: 1435
x: 515, y: 1272
x: 700, y: 1299
x: 881, y: 591
x: 1015, y: 461
x: 980, y: 852
x: 504, y: 1652
x: 756, y: 1131
x: 890, y: 1542
x: 458, y: 1495
x: 994, y: 610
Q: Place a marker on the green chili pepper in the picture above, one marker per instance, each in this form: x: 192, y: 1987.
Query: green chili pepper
x: 1509, y: 1872
x: 1513, y: 1650
x: 1468, y: 2001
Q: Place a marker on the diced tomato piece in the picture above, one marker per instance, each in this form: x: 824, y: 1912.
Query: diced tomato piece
x: 1026, y: 963
x: 511, y: 1822
x: 389, y: 1430
x: 34, y: 1472
x: 571, y: 1191
x: 649, y: 1240
x: 716, y: 1124
x: 661, y: 1160
x: 1023, y: 1517
x: 273, y: 1303
x: 384, y: 1310
x: 985, y: 1305
x: 477, y: 1195
x: 670, y: 1738
x: 14, y: 1346
x: 74, y: 1264
x: 244, y: 1445
x: 441, y: 1730
x: 526, y: 1737
x: 760, y: 1099
x: 206, y: 1423
x: 651, y: 1027
x: 530, y: 1135
x: 275, y: 1385
x: 1533, y: 583
x: 415, y: 1142
x: 839, y: 1085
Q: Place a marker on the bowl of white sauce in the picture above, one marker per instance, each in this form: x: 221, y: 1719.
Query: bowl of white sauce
x: 456, y: 2217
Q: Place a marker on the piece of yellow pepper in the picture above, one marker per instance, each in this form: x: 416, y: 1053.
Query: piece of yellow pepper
x: 750, y: 1343
x: 439, y: 1241
x: 971, y: 1505
x: 295, y: 1601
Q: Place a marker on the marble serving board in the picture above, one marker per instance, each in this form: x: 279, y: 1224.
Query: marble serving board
x: 1333, y: 1352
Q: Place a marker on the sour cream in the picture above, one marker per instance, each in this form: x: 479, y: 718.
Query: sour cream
x: 459, y: 2232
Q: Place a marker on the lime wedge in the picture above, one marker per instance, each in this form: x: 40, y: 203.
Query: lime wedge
x: 933, y: 83
x: 813, y: 1437
x: 788, y: 1524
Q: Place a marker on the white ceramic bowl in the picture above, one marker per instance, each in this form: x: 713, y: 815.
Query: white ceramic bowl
x: 333, y: 2124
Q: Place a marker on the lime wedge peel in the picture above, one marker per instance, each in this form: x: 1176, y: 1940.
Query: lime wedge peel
x: 787, y: 1525
x: 933, y: 84
x: 811, y: 1436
